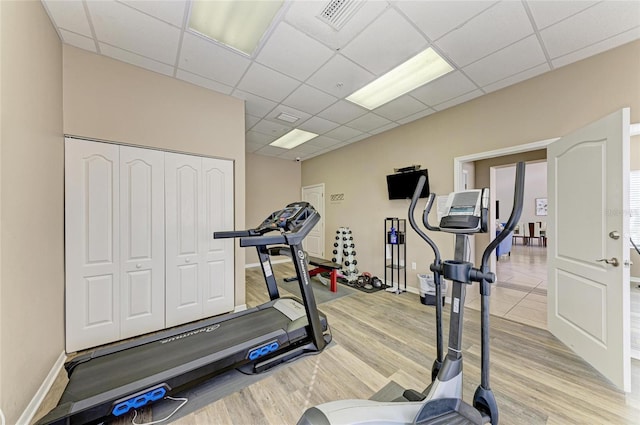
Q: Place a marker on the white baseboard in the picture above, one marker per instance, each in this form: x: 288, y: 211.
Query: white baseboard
x: 241, y: 307
x: 252, y: 265
x: 27, y: 416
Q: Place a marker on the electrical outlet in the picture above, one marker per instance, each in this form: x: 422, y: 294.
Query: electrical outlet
x: 413, y: 266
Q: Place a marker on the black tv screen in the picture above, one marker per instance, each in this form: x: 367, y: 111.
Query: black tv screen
x: 402, y: 185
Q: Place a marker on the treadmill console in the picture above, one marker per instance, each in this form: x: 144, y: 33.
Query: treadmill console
x: 466, y: 212
x: 289, y: 219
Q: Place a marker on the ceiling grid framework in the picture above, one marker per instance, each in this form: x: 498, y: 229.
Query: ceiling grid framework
x: 304, y: 68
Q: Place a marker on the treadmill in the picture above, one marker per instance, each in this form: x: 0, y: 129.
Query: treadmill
x: 109, y: 382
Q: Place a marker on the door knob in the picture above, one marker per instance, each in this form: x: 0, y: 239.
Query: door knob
x: 614, y: 235
x: 138, y: 265
x: 187, y: 260
x: 613, y: 261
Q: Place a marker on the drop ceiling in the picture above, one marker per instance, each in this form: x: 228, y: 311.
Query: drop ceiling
x: 305, y: 68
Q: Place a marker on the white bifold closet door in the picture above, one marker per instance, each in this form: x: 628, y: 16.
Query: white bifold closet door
x: 142, y: 298
x: 199, y: 269
x: 114, y: 231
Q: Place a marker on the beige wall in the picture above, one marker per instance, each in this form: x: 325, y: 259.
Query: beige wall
x: 110, y: 100
x: 31, y: 164
x: 544, y: 107
x: 272, y: 183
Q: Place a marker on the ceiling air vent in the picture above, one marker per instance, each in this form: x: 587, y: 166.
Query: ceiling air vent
x: 337, y: 12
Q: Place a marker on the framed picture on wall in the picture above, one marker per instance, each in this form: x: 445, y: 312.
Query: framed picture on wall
x: 541, y: 206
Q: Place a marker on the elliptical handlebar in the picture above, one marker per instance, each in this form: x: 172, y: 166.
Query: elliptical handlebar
x: 516, y: 212
x: 414, y: 200
x: 427, y: 210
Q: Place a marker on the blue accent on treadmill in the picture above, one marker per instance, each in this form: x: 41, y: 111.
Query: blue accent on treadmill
x: 263, y: 350
x: 138, y: 401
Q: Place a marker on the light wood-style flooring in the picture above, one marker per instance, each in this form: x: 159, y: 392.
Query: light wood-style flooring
x: 383, y: 337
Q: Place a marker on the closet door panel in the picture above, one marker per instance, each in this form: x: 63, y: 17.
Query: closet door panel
x: 92, y: 292
x: 218, y: 281
x: 183, y: 214
x: 142, y: 240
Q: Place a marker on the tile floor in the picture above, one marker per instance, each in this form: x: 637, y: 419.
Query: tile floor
x: 520, y: 293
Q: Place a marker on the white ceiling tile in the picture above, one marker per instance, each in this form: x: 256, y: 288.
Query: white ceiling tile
x: 358, y: 138
x: 293, y: 53
x: 379, y: 50
x: 209, y: 60
x: 137, y: 60
x: 444, y: 88
x: 400, y: 108
x: 518, y: 57
x: 458, y: 100
x: 270, y: 128
x: 493, y: 29
x: 340, y: 77
x: 169, y: 11
x: 254, y: 105
x: 417, y: 116
x: 524, y: 75
x: 318, y: 125
x: 384, y: 128
x: 309, y: 99
x: 342, y: 112
x: 271, y: 151
x: 606, y: 19
x: 368, y: 122
x: 323, y: 142
x: 436, y: 18
x: 259, y: 138
x: 302, y: 116
x: 78, y: 40
x: 252, y: 147
x: 203, y: 82
x: 343, y: 133
x: 69, y: 15
x: 547, y: 13
x: 128, y: 29
x: 304, y: 16
x: 594, y: 49
x: 250, y: 121
x: 267, y: 83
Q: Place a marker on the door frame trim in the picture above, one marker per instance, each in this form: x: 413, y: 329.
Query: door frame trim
x: 322, y: 216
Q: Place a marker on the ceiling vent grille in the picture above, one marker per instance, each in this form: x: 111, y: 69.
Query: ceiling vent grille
x: 337, y: 12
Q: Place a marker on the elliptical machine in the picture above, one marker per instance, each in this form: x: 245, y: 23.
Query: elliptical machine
x: 441, y: 402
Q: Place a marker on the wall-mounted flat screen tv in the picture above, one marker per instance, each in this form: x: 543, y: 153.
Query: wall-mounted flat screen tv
x: 402, y: 185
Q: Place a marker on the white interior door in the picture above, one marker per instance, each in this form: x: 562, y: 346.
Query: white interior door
x: 218, y: 280
x: 141, y: 241
x: 314, y: 242
x: 183, y: 215
x: 588, y: 300
x: 92, y: 290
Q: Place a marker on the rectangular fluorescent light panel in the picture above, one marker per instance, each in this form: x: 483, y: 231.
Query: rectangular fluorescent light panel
x: 293, y: 138
x: 417, y: 71
x: 238, y: 24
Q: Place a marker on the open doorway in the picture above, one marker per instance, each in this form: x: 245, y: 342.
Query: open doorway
x: 519, y: 263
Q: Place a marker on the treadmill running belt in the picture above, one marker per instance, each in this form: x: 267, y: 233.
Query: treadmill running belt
x: 121, y: 368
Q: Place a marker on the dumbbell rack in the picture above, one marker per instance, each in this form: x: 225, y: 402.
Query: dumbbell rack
x: 344, y: 254
x: 395, y: 255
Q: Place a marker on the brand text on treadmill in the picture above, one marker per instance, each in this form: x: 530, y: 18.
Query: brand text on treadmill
x: 186, y: 334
